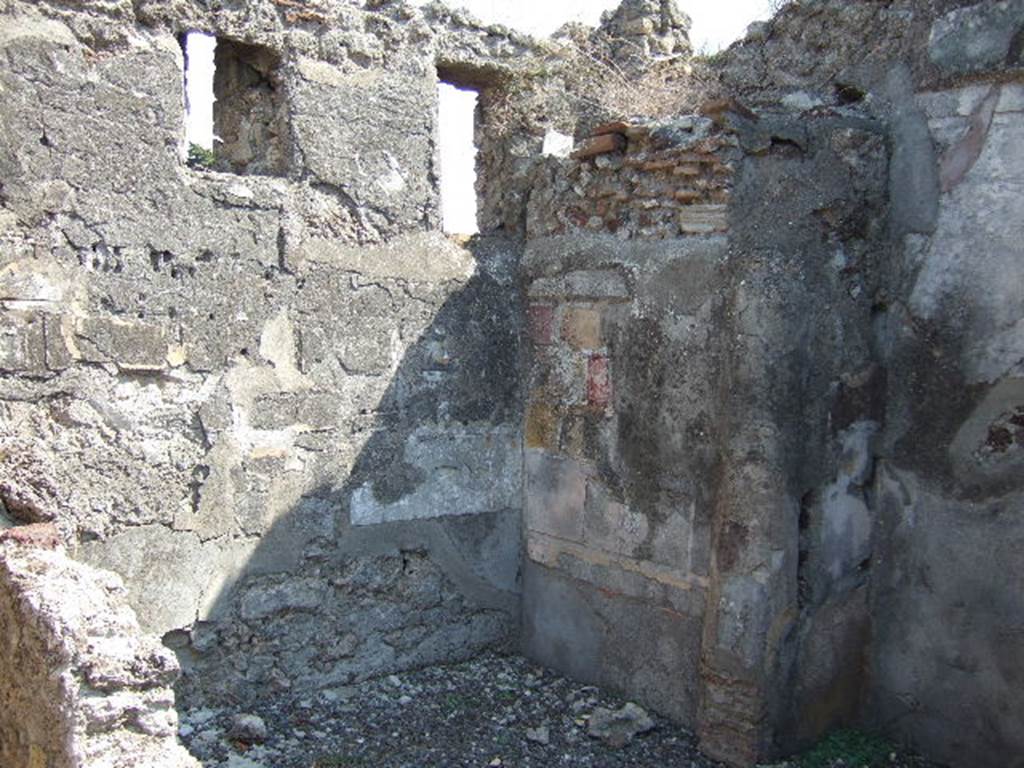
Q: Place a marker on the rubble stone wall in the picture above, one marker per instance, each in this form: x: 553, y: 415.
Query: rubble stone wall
x: 270, y: 395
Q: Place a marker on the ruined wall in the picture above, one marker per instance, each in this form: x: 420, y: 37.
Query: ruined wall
x: 860, y: 476
x: 767, y: 477
x: 939, y: 620
x: 948, y: 603
x: 700, y: 392
x: 79, y: 683
x: 270, y: 395
x: 619, y: 417
x: 784, y: 654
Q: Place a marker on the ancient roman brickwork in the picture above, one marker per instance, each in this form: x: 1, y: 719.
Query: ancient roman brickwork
x: 648, y: 180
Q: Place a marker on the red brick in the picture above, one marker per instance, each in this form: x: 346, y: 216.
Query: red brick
x: 601, y: 145
x: 540, y: 323
x: 599, y: 381
x: 40, y: 535
x: 617, y: 126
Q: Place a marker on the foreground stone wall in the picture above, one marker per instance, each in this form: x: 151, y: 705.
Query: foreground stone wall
x: 269, y: 394
x: 79, y: 683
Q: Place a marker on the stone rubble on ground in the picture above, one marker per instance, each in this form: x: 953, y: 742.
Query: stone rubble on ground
x: 247, y: 729
x: 494, y: 710
x: 618, y: 728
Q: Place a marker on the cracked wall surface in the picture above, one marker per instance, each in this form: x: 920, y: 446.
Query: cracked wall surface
x: 813, y: 363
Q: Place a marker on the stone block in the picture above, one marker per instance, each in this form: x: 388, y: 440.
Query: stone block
x: 686, y: 169
x: 703, y: 219
x: 581, y: 327
x: 263, y: 600
x: 22, y: 342
x: 542, y: 426
x: 128, y: 344
x: 688, y: 195
x: 540, y: 322
x: 556, y: 490
x: 599, y: 381
x: 386, y: 117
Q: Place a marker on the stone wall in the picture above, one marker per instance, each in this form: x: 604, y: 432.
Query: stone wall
x: 617, y: 465
x: 947, y: 603
x: 860, y: 476
x: 79, y: 683
x: 270, y: 395
x: 944, y: 615
x: 700, y: 410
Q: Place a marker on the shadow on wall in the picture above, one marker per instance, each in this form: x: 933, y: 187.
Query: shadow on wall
x: 410, y: 558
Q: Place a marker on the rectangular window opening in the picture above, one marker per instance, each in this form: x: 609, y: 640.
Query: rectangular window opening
x: 236, y: 112
x: 457, y: 112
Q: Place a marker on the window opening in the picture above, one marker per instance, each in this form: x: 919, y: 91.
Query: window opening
x: 237, y: 119
x: 457, y: 109
x: 198, y: 48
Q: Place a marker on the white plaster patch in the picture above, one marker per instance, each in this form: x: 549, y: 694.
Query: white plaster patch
x: 973, y: 258
x: 465, y: 472
x: 393, y: 181
x: 557, y: 144
x: 846, y: 519
x: 29, y: 284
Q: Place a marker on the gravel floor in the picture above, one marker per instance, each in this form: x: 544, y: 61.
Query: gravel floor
x: 492, y: 711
